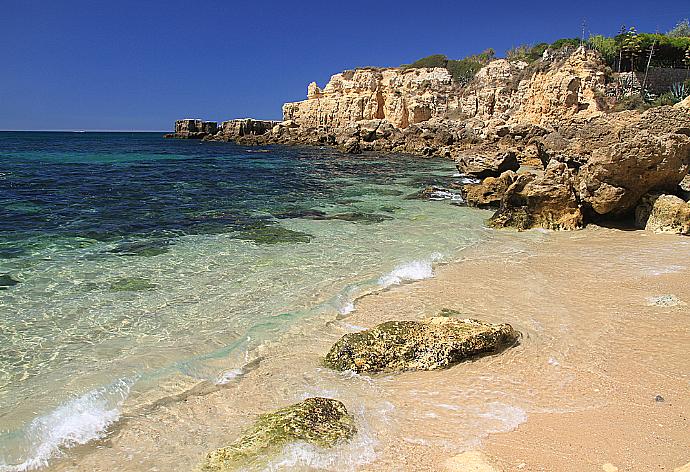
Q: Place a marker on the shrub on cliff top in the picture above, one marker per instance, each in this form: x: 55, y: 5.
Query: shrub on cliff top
x: 462, y: 70
x: 435, y: 60
x: 529, y: 53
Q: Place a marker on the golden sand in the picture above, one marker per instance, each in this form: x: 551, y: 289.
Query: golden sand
x: 599, y: 381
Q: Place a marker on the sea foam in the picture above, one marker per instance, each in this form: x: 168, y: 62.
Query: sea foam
x: 410, y: 271
x: 75, y: 422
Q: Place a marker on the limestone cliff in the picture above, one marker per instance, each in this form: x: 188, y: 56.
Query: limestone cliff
x: 502, y: 91
x: 401, y: 96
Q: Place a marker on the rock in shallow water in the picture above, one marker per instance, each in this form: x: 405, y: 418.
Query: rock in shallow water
x: 434, y: 343
x: 6, y: 281
x: 320, y: 421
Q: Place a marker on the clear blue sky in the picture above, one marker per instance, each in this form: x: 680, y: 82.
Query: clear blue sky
x: 139, y: 65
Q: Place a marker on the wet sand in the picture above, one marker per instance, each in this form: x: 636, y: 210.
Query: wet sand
x: 578, y: 393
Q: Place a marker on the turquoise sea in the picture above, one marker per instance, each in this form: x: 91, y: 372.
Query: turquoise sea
x: 127, y: 260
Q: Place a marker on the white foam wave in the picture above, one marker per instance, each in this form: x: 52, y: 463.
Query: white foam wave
x: 347, y: 456
x: 410, y: 271
x: 75, y: 422
x: 229, y: 376
x: 347, y: 308
x: 504, y: 417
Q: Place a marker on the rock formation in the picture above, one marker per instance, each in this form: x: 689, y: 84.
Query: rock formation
x: 490, y: 192
x: 245, y: 127
x: 323, y: 422
x: 400, y: 96
x: 552, y: 114
x: 548, y: 201
x: 670, y: 214
x: 194, y: 128
x: 434, y: 343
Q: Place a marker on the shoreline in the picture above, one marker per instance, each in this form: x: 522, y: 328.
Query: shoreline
x: 524, y: 414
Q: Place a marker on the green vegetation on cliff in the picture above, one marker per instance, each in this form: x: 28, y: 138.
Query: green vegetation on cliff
x: 626, y: 51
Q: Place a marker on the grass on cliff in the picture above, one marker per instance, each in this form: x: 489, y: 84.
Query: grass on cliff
x: 462, y: 70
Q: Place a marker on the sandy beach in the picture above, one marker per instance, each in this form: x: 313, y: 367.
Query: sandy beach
x: 599, y: 380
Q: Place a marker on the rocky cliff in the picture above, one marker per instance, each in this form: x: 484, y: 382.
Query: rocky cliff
x: 552, y: 120
x: 501, y: 92
x: 400, y: 96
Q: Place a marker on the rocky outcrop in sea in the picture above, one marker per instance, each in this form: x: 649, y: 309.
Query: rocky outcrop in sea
x: 552, y: 122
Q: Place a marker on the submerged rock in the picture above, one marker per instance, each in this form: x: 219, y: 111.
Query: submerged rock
x: 272, y: 234
x: 323, y: 422
x: 434, y: 343
x: 359, y: 217
x: 7, y: 281
x: 132, y: 284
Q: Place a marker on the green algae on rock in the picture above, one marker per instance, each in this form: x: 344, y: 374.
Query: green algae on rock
x: 323, y: 422
x: 430, y: 344
x: 132, y: 284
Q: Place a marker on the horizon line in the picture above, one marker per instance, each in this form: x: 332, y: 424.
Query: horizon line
x: 84, y: 131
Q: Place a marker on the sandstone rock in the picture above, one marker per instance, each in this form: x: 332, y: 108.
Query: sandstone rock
x: 564, y: 91
x: 490, y: 191
x: 401, y: 96
x: 547, y: 202
x: 670, y: 215
x: 660, y: 120
x: 482, y: 166
x: 685, y: 104
x: 434, y: 343
x: 615, y: 177
x: 320, y: 421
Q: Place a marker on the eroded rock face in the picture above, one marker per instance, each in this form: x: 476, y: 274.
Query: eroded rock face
x: 401, y: 96
x: 573, y: 88
x: 502, y: 91
x: 194, y: 128
x: 246, y: 126
x: 320, y: 421
x: 615, y: 177
x: 434, y: 343
x: 670, y: 215
x: 490, y: 165
x: 547, y: 201
x: 490, y: 191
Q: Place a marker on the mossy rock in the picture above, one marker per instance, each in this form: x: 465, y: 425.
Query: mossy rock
x: 434, y: 343
x: 323, y: 422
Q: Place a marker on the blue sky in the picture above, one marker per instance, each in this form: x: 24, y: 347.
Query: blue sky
x: 139, y: 65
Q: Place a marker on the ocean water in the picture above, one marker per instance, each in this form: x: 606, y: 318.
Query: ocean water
x: 128, y: 261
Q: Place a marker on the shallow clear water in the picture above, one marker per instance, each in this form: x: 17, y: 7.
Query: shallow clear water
x: 127, y: 260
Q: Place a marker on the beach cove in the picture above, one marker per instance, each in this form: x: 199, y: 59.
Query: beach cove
x: 591, y: 360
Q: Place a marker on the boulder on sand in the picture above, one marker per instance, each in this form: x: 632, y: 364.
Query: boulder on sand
x: 430, y: 344
x: 548, y: 201
x: 670, y: 215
